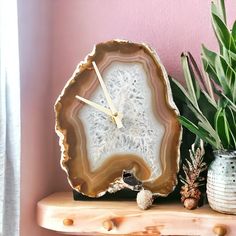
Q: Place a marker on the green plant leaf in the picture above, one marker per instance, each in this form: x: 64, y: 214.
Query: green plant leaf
x: 223, y: 34
x: 210, y: 70
x: 200, y: 80
x: 234, y: 31
x: 234, y: 91
x: 220, y: 71
x: 232, y: 144
x: 194, y: 129
x: 232, y: 59
x: 225, y: 55
x: 209, y: 55
x: 218, y: 8
x: 211, y: 102
x: 231, y: 116
x: 229, y: 76
x: 192, y: 86
x: 231, y: 104
x: 199, y: 131
x: 204, y: 123
x: 207, y: 106
x: 217, y: 60
x: 212, y: 134
x: 229, y: 71
x: 179, y: 91
x: 232, y: 55
x: 222, y: 128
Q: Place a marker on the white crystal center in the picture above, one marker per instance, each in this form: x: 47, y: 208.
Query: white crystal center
x: 127, y: 84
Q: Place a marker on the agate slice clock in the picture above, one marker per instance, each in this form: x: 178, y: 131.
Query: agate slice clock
x: 116, y: 114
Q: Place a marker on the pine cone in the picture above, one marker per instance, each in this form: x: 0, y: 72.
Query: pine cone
x: 189, y: 192
x: 190, y: 196
x: 190, y: 203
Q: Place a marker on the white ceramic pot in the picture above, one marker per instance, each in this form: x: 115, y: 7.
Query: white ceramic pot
x: 221, y: 182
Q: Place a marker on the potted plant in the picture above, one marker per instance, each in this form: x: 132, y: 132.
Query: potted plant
x: 210, y: 100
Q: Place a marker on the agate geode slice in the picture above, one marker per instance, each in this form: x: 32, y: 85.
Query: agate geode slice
x: 95, y: 153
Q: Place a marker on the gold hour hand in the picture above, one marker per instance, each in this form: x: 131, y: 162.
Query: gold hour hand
x: 117, y: 118
x: 95, y: 105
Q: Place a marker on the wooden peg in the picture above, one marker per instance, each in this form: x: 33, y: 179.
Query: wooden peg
x: 220, y: 230
x: 108, y: 225
x: 68, y: 222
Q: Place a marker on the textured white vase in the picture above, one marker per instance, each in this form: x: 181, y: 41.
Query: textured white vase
x: 221, y: 182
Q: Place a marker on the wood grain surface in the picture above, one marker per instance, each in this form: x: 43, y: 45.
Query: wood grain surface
x: 59, y: 212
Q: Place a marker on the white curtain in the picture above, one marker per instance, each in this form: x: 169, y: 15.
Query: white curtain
x: 9, y: 120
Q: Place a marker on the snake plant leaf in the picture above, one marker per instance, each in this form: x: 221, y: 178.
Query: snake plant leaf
x: 194, y: 129
x: 204, y: 123
x: 179, y: 91
x: 218, y: 8
x: 210, y: 70
x: 231, y: 104
x: 230, y: 76
x: 197, y: 112
x: 228, y: 70
x: 231, y: 117
x: 192, y: 86
x: 217, y: 60
x: 232, y: 55
x: 207, y: 106
x: 232, y: 143
x: 209, y: 139
x: 230, y: 114
x: 222, y: 127
x: 234, y: 92
x: 214, y: 10
x: 232, y: 58
x: 197, y: 73
x: 224, y: 36
x: 212, y: 134
x: 209, y: 55
x: 225, y: 55
x: 199, y: 131
x: 209, y: 100
x: 222, y: 77
x: 181, y: 94
x: 234, y: 31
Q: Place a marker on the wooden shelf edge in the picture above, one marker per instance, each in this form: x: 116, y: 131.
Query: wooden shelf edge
x: 59, y: 212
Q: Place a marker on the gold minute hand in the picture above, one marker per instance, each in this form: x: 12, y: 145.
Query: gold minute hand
x: 104, y: 88
x: 116, y: 115
x: 95, y: 105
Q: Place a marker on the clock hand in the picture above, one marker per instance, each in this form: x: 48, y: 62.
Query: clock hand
x: 95, y: 105
x: 104, y: 88
x: 117, y: 117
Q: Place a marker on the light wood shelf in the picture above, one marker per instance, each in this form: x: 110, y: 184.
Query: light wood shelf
x: 59, y: 212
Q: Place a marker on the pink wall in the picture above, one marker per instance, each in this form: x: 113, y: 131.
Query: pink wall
x: 38, y: 162
x: 55, y: 35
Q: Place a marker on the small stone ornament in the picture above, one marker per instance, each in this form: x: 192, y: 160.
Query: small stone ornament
x: 144, y: 199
